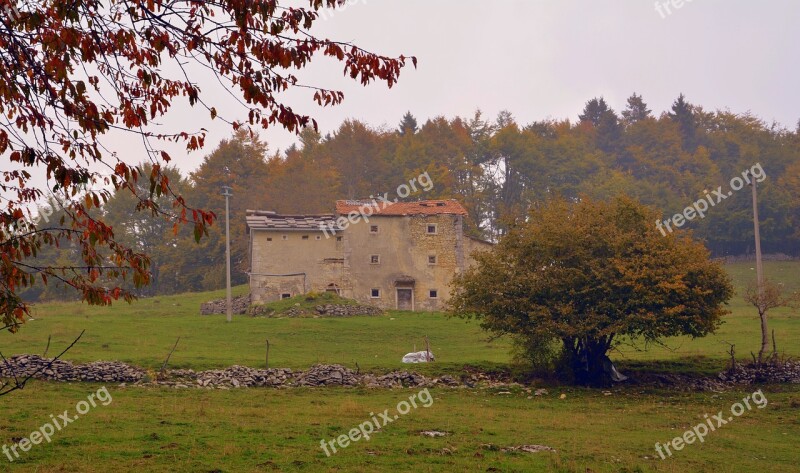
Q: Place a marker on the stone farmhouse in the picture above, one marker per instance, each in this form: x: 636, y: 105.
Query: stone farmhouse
x: 392, y: 255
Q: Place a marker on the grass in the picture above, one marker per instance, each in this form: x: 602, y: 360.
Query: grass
x: 254, y: 430
x: 143, y: 333
x: 164, y: 429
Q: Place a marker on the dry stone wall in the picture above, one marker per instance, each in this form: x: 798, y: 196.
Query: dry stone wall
x: 116, y: 372
x: 23, y: 366
x: 239, y: 305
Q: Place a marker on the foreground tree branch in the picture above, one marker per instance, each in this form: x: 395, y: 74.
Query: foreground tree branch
x: 8, y: 387
x: 72, y: 71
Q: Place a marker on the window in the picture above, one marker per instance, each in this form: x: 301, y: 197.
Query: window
x: 286, y: 296
x: 433, y: 294
x: 375, y: 259
x: 375, y: 293
x: 431, y: 259
x: 432, y: 229
x: 269, y: 239
x: 332, y: 287
x: 305, y: 237
x: 373, y: 229
x: 284, y: 237
x: 318, y: 238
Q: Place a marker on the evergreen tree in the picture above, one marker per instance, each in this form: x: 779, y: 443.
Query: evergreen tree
x: 594, y: 110
x: 409, y: 125
x: 683, y: 114
x: 609, y: 131
x: 636, y: 110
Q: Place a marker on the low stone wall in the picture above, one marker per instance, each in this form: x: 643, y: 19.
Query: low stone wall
x: 338, y: 375
x: 239, y: 305
x: 341, y: 310
x: 23, y: 366
x: 786, y: 372
x: 235, y: 377
x: 752, y: 258
x: 324, y: 310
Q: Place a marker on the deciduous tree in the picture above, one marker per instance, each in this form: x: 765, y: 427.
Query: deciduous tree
x: 73, y: 71
x: 589, y: 275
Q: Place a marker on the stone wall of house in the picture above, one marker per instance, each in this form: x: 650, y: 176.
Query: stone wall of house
x: 472, y: 246
x: 342, y: 262
x: 403, y: 247
x: 314, y: 254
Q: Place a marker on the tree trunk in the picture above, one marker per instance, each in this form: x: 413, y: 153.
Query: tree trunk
x: 764, y: 336
x: 587, y: 360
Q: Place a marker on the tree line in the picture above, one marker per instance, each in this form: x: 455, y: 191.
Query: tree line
x: 498, y: 168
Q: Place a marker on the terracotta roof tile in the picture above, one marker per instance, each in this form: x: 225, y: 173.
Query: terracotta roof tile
x: 423, y: 207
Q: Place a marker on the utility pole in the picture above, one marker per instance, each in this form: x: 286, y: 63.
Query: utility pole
x: 228, y: 193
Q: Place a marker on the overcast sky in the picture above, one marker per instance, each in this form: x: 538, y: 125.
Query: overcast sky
x: 541, y: 59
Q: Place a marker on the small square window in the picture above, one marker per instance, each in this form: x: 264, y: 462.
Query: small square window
x: 432, y: 229
x: 373, y: 229
x: 375, y: 259
x: 375, y: 293
x: 286, y: 296
x: 433, y: 294
x: 305, y: 237
x: 284, y: 237
x: 338, y: 238
x: 431, y: 259
x: 269, y: 239
x: 318, y: 238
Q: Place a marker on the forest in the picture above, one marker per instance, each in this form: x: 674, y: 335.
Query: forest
x: 496, y: 167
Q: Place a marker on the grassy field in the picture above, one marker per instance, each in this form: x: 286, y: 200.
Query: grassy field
x: 144, y: 332
x: 246, y: 430
x: 164, y: 429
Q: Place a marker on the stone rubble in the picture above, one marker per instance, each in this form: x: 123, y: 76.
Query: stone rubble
x: 239, y: 306
x: 324, y: 310
x: 433, y: 433
x: 232, y: 377
x: 338, y: 375
x: 786, y: 372
x: 341, y: 310
x: 96, y: 372
x: 529, y: 449
x: 235, y: 377
x: 328, y: 375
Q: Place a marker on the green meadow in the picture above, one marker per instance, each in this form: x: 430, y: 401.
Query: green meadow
x: 165, y: 429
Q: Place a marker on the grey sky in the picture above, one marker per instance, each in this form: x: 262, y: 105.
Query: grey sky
x: 545, y: 59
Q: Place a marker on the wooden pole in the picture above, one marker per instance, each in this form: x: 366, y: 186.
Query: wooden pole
x: 228, y: 309
x: 267, y: 360
x: 164, y: 366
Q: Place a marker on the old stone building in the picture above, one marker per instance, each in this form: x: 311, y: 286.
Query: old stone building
x: 392, y: 255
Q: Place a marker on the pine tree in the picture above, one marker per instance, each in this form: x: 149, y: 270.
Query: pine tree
x: 683, y: 114
x: 636, y: 110
x: 409, y: 125
x: 605, y: 120
x: 594, y: 110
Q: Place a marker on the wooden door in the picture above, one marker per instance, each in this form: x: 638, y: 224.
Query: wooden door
x: 405, y: 299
